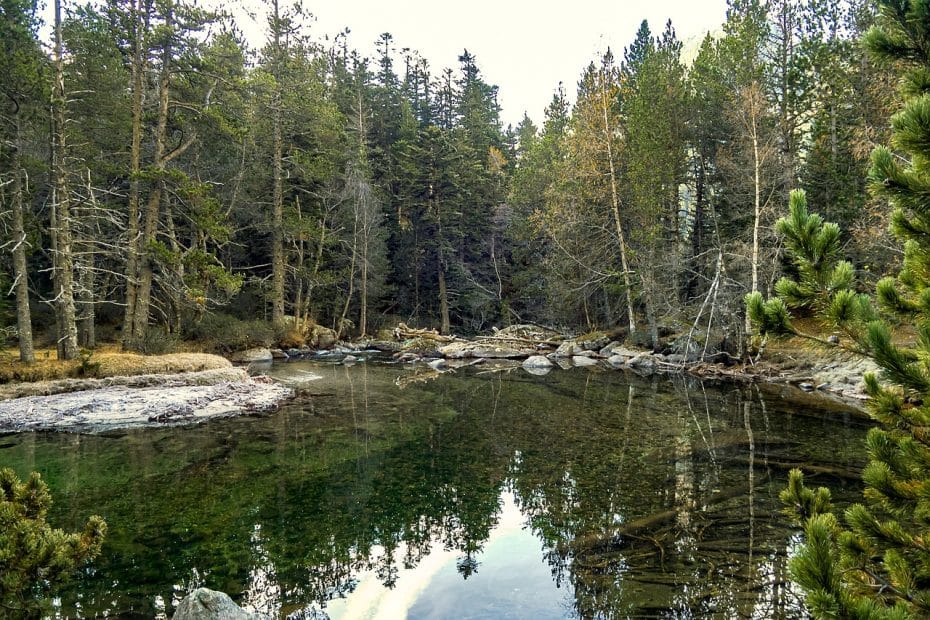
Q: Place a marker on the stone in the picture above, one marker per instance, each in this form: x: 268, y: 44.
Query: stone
x: 294, y: 353
x: 807, y: 387
x: 459, y: 350
x: 594, y: 342
x: 278, y: 354
x: 205, y: 604
x: 537, y: 361
x: 833, y: 339
x: 322, y: 337
x: 567, y: 349
x: 608, y: 350
x: 248, y: 356
x: 349, y: 359
x: 583, y: 360
x: 617, y: 361
x: 539, y: 371
x: 437, y: 364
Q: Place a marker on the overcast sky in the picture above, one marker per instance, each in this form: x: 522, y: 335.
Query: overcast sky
x: 525, y: 47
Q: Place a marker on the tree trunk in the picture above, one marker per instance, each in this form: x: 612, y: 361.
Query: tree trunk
x: 135, y: 167
x: 87, y: 332
x: 64, y: 272
x: 615, y: 206
x: 443, y: 300
x: 20, y: 271
x: 277, y: 216
x: 153, y: 205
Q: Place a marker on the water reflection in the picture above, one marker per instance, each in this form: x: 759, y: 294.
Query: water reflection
x: 391, y: 492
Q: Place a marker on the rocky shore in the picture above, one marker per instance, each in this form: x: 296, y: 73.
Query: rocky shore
x: 97, y: 405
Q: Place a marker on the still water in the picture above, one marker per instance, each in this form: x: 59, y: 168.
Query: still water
x: 393, y: 492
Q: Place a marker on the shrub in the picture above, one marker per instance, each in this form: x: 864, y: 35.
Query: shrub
x: 33, y: 556
x: 224, y: 333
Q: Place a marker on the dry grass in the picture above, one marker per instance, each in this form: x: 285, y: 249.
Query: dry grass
x: 106, y: 361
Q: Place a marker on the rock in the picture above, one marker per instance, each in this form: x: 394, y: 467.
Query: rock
x: 437, y: 364
x: 278, y: 354
x: 459, y: 350
x: 643, y: 362
x: 807, y: 387
x: 567, y: 349
x: 294, y: 353
x: 349, y: 359
x: 583, y: 360
x: 404, y: 358
x: 608, y: 350
x: 617, y: 361
x: 204, y: 604
x: 594, y: 342
x: 322, y: 337
x: 676, y: 358
x: 537, y: 361
x: 252, y: 355
x: 564, y: 362
x: 833, y: 339
x: 539, y: 371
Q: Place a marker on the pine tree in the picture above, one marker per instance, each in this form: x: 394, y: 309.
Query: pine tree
x: 875, y: 563
x: 32, y: 554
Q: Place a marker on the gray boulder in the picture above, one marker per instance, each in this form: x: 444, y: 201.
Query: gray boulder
x: 567, y: 349
x: 248, y: 356
x: 617, y: 361
x: 278, y: 354
x: 583, y: 360
x: 437, y: 364
x: 537, y: 361
x: 204, y: 604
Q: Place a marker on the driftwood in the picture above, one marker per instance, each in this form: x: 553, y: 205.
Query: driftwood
x: 533, y: 341
x: 402, y: 332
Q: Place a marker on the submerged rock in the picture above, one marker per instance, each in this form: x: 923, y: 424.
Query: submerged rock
x: 205, y: 604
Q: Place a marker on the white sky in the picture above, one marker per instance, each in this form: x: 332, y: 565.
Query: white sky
x: 524, y: 47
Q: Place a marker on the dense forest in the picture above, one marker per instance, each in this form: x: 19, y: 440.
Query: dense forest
x: 161, y: 179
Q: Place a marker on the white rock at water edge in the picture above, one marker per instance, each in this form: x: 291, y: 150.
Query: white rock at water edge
x: 537, y: 361
x: 259, y: 354
x: 205, y: 604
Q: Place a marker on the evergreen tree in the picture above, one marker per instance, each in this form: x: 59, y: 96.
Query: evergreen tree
x: 874, y: 564
x: 33, y: 555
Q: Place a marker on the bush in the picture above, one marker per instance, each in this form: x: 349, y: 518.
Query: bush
x: 33, y: 556
x: 155, y: 341
x: 224, y: 333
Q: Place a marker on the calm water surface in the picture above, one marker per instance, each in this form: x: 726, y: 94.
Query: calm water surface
x: 391, y: 492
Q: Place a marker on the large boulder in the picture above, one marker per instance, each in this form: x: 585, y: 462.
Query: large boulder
x: 259, y: 354
x: 204, y: 604
x: 583, y: 360
x: 321, y: 337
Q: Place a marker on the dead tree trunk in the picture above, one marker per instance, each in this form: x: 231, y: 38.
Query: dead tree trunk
x: 20, y: 272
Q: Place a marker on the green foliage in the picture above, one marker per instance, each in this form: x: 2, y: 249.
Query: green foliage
x: 156, y: 340
x: 33, y: 556
x: 225, y: 333
x: 875, y: 565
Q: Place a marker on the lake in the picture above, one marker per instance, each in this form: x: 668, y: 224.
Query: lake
x: 388, y: 491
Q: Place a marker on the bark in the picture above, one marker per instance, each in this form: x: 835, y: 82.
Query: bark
x: 277, y: 216
x: 615, y: 207
x: 443, y: 300
x: 135, y: 166
x: 87, y: 332
x: 20, y: 272
x: 64, y: 272
x: 153, y: 205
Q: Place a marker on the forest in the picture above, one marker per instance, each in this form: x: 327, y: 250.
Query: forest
x: 162, y: 181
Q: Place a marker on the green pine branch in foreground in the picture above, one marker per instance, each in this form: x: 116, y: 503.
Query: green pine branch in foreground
x: 34, y: 556
x: 874, y: 561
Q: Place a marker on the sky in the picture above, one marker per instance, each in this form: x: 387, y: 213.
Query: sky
x: 524, y: 47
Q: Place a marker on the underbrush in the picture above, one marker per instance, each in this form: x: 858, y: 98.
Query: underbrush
x: 106, y: 361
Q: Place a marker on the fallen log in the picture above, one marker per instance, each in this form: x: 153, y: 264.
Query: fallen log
x: 402, y: 332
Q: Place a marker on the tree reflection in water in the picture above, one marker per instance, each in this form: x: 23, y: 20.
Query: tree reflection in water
x: 643, y: 497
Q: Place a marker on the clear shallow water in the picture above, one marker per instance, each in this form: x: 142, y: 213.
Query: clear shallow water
x: 389, y: 492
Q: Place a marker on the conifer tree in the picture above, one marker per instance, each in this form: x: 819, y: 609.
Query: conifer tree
x: 32, y: 554
x: 875, y: 562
